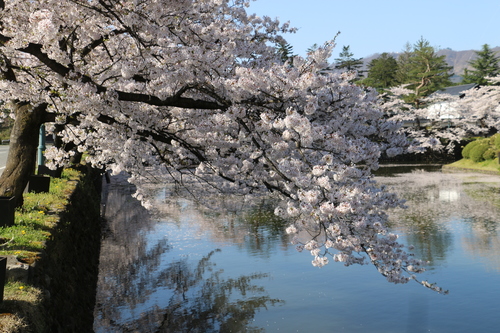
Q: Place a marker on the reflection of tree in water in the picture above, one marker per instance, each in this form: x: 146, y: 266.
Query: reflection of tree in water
x: 126, y: 258
x: 483, y: 241
x: 137, y: 292
x: 208, y: 303
x: 484, y: 209
x: 423, y: 220
x: 201, y: 301
x: 252, y: 226
x: 437, y: 202
x: 265, y: 229
x: 431, y: 245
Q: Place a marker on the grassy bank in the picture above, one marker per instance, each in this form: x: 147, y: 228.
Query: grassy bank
x: 33, y: 221
x: 23, y: 307
x: 489, y: 166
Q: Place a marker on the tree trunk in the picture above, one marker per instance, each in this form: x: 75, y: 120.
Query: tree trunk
x: 22, y: 151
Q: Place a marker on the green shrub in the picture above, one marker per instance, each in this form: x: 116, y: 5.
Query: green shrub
x: 496, y: 140
x: 482, y: 149
x: 467, y: 149
x: 490, y: 154
x: 478, y: 150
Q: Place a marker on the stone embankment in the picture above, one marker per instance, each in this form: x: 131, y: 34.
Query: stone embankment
x: 67, y: 269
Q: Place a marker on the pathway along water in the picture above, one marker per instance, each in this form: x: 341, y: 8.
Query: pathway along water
x: 193, y: 270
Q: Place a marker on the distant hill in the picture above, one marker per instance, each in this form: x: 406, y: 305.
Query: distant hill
x: 457, y: 59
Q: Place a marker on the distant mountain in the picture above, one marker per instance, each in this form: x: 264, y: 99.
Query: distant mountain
x: 459, y: 60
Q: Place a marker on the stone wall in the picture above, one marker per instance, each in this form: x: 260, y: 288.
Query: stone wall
x: 68, y: 270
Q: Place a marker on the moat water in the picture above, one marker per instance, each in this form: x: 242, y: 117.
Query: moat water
x: 189, y: 269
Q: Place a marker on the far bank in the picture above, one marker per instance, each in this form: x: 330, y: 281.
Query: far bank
x: 489, y: 166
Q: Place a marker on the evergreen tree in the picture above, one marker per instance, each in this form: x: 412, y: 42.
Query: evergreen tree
x: 485, y: 65
x: 426, y: 72
x: 285, y: 51
x: 347, y: 61
x: 313, y: 48
x: 382, y: 72
x: 402, y: 73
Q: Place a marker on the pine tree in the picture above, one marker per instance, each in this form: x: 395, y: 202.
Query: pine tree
x: 425, y: 71
x: 404, y: 65
x: 285, y: 51
x: 347, y: 61
x: 382, y: 72
x: 312, y: 48
x: 485, y: 65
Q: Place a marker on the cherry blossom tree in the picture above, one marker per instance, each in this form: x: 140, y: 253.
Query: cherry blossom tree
x: 481, y: 106
x: 445, y: 120
x: 194, y: 93
x: 425, y: 127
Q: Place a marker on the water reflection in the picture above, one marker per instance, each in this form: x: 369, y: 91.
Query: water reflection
x: 190, y: 269
x: 142, y: 287
x: 396, y: 169
x: 126, y: 258
x: 217, y: 304
x: 423, y: 222
x: 253, y: 227
x: 265, y: 230
x: 438, y: 204
x: 483, y: 240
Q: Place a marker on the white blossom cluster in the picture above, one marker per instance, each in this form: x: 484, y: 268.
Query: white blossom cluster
x: 194, y: 92
x: 445, y: 120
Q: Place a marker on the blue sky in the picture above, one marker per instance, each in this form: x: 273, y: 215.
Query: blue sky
x: 376, y: 26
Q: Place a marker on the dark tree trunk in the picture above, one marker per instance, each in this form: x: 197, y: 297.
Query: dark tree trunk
x: 22, y: 151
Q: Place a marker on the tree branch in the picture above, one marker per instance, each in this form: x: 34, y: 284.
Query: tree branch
x: 87, y: 49
x: 175, y: 101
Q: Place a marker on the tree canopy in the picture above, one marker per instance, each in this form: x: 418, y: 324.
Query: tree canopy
x: 450, y: 118
x: 382, y: 72
x: 194, y: 93
x: 346, y: 60
x: 417, y: 67
x: 485, y: 65
x: 423, y: 71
